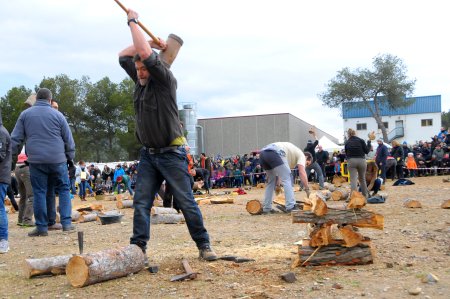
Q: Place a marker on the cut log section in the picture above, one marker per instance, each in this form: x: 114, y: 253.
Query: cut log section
x: 161, y: 210
x: 88, y: 217
x: 357, y: 200
x: 124, y: 204
x: 55, y: 265
x: 358, y: 218
x: 222, y: 200
x: 254, y: 207
x: 87, y: 269
x: 166, y: 219
x: 412, y: 203
x: 351, y: 238
x: 340, y: 194
x: 260, y: 185
x: 335, y: 254
x: 446, y: 204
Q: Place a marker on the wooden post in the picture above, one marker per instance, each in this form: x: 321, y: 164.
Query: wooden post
x: 51, y: 265
x: 86, y: 269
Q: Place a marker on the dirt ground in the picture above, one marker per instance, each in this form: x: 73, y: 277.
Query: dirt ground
x: 414, y: 242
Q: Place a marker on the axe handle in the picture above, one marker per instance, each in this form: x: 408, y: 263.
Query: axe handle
x: 154, y: 38
x: 187, y: 267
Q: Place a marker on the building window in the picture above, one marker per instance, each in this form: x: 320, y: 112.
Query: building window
x: 427, y: 122
x: 361, y: 127
x: 386, y: 125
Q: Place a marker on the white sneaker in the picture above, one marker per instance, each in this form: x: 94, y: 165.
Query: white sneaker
x: 4, y: 246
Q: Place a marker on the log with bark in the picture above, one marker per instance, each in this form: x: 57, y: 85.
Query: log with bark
x: 88, y: 217
x: 87, y: 269
x: 412, y: 203
x: 335, y: 254
x: 340, y: 194
x: 162, y: 210
x: 254, y: 207
x: 124, y: 204
x: 75, y: 215
x: 357, y: 200
x: 55, y: 265
x: 358, y: 218
x: 166, y: 219
x: 446, y: 204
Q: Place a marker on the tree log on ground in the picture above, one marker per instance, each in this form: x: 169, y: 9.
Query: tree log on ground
x: 88, y: 217
x: 358, y: 218
x: 222, y: 200
x: 55, y: 265
x: 75, y: 215
x: 166, y: 219
x: 335, y: 254
x: 340, y: 194
x: 357, y: 200
x: 254, y: 207
x: 87, y: 269
x: 329, y: 186
x: 162, y: 210
x: 124, y: 204
x: 412, y: 203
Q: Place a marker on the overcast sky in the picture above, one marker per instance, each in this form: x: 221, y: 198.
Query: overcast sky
x: 240, y: 57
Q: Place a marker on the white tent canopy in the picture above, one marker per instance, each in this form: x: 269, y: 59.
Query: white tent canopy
x: 328, y: 145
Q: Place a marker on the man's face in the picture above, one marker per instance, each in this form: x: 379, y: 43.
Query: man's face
x: 142, y: 73
x: 308, y: 162
x: 55, y: 105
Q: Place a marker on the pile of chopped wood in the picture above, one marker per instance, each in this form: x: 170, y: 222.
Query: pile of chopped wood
x: 333, y: 233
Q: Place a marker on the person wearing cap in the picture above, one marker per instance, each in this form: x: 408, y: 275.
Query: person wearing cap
x: 311, y: 148
x: 49, y: 145
x: 5, y: 181
x: 163, y: 156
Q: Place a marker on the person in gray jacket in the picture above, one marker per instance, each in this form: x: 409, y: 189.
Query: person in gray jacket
x: 49, y: 145
x: 5, y: 180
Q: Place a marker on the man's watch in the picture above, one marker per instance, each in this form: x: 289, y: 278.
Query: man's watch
x: 132, y: 20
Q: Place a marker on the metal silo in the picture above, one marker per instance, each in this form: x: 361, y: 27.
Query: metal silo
x: 188, y: 116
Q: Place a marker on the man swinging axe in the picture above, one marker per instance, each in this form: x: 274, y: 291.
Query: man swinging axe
x: 163, y: 155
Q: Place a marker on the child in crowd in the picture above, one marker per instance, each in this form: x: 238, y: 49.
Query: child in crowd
x: 411, y: 165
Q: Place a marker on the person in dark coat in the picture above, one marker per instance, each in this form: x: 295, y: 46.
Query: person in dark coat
x: 381, y: 158
x: 356, y: 150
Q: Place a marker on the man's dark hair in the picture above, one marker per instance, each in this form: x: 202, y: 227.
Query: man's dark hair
x: 308, y: 156
x: 44, y: 93
x: 137, y: 57
x: 203, y: 154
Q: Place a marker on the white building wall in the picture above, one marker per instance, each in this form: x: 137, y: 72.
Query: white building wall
x: 412, y: 124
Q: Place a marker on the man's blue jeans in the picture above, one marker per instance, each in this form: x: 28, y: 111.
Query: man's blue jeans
x: 3, y: 216
x: 73, y: 189
x: 43, y: 175
x: 153, y: 169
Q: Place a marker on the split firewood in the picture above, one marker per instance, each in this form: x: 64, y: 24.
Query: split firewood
x: 166, y: 218
x: 124, y: 204
x: 318, y: 206
x: 357, y: 200
x: 338, y: 180
x: 88, y: 217
x: 7, y: 201
x: 350, y: 236
x: 446, y: 204
x: 320, y: 236
x: 87, y: 269
x: 340, y: 194
x: 358, y: 218
x: 89, y: 207
x: 222, y: 200
x: 412, y: 203
x: 335, y: 254
x: 161, y: 210
x: 55, y: 265
x: 314, y: 186
x: 203, y: 201
x: 260, y: 185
